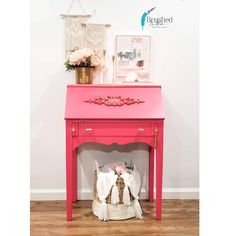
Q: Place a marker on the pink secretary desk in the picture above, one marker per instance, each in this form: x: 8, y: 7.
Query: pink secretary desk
x: 114, y: 114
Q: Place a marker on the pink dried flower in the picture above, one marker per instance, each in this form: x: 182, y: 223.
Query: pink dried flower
x: 120, y: 169
x: 87, y: 52
x: 95, y: 60
x: 75, y: 57
x: 85, y: 57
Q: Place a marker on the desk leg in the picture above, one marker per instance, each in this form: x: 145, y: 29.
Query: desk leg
x: 159, y: 167
x: 69, y: 171
x: 151, y: 174
x: 74, y: 176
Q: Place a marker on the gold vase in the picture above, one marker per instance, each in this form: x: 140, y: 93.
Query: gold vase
x: 84, y: 75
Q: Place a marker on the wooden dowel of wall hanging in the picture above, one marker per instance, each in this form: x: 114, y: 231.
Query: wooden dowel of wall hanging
x: 65, y: 15
x: 106, y: 25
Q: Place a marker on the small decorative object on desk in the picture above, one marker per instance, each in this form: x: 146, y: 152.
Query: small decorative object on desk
x: 85, y: 62
x: 116, y: 189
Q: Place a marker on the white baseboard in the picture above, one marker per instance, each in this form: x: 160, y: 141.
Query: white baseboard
x: 86, y: 194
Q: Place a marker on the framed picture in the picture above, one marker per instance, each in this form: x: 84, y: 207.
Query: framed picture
x: 133, y: 53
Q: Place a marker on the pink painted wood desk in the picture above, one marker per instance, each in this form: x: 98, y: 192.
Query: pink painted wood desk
x: 114, y: 114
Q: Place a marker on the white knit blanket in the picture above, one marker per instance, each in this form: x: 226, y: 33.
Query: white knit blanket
x: 105, y: 181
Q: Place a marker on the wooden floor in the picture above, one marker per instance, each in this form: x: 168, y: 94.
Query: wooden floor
x: 179, y: 218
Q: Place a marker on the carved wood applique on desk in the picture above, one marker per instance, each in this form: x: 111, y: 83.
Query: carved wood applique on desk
x: 114, y: 114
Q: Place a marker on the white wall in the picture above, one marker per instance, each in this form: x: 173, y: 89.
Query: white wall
x: 174, y: 66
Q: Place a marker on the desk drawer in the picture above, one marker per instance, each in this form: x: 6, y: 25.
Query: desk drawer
x: 115, y: 129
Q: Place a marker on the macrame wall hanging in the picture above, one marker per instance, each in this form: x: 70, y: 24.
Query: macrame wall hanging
x: 74, y: 33
x: 79, y: 33
x: 95, y: 33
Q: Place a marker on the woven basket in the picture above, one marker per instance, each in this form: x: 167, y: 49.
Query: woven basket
x: 120, y: 185
x: 118, y: 211
x: 115, y: 212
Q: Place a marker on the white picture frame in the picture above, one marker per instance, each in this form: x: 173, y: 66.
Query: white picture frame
x: 133, y: 52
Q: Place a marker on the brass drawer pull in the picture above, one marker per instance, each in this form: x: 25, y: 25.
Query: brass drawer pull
x: 89, y: 130
x: 141, y: 130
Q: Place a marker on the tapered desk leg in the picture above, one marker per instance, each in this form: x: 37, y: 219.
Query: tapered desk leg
x: 69, y: 171
x: 151, y: 174
x: 74, y: 175
x: 159, y: 168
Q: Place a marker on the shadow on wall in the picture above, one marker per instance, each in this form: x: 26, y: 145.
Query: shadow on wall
x: 104, y: 154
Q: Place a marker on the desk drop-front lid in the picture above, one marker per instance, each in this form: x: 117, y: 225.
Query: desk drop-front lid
x: 114, y: 102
